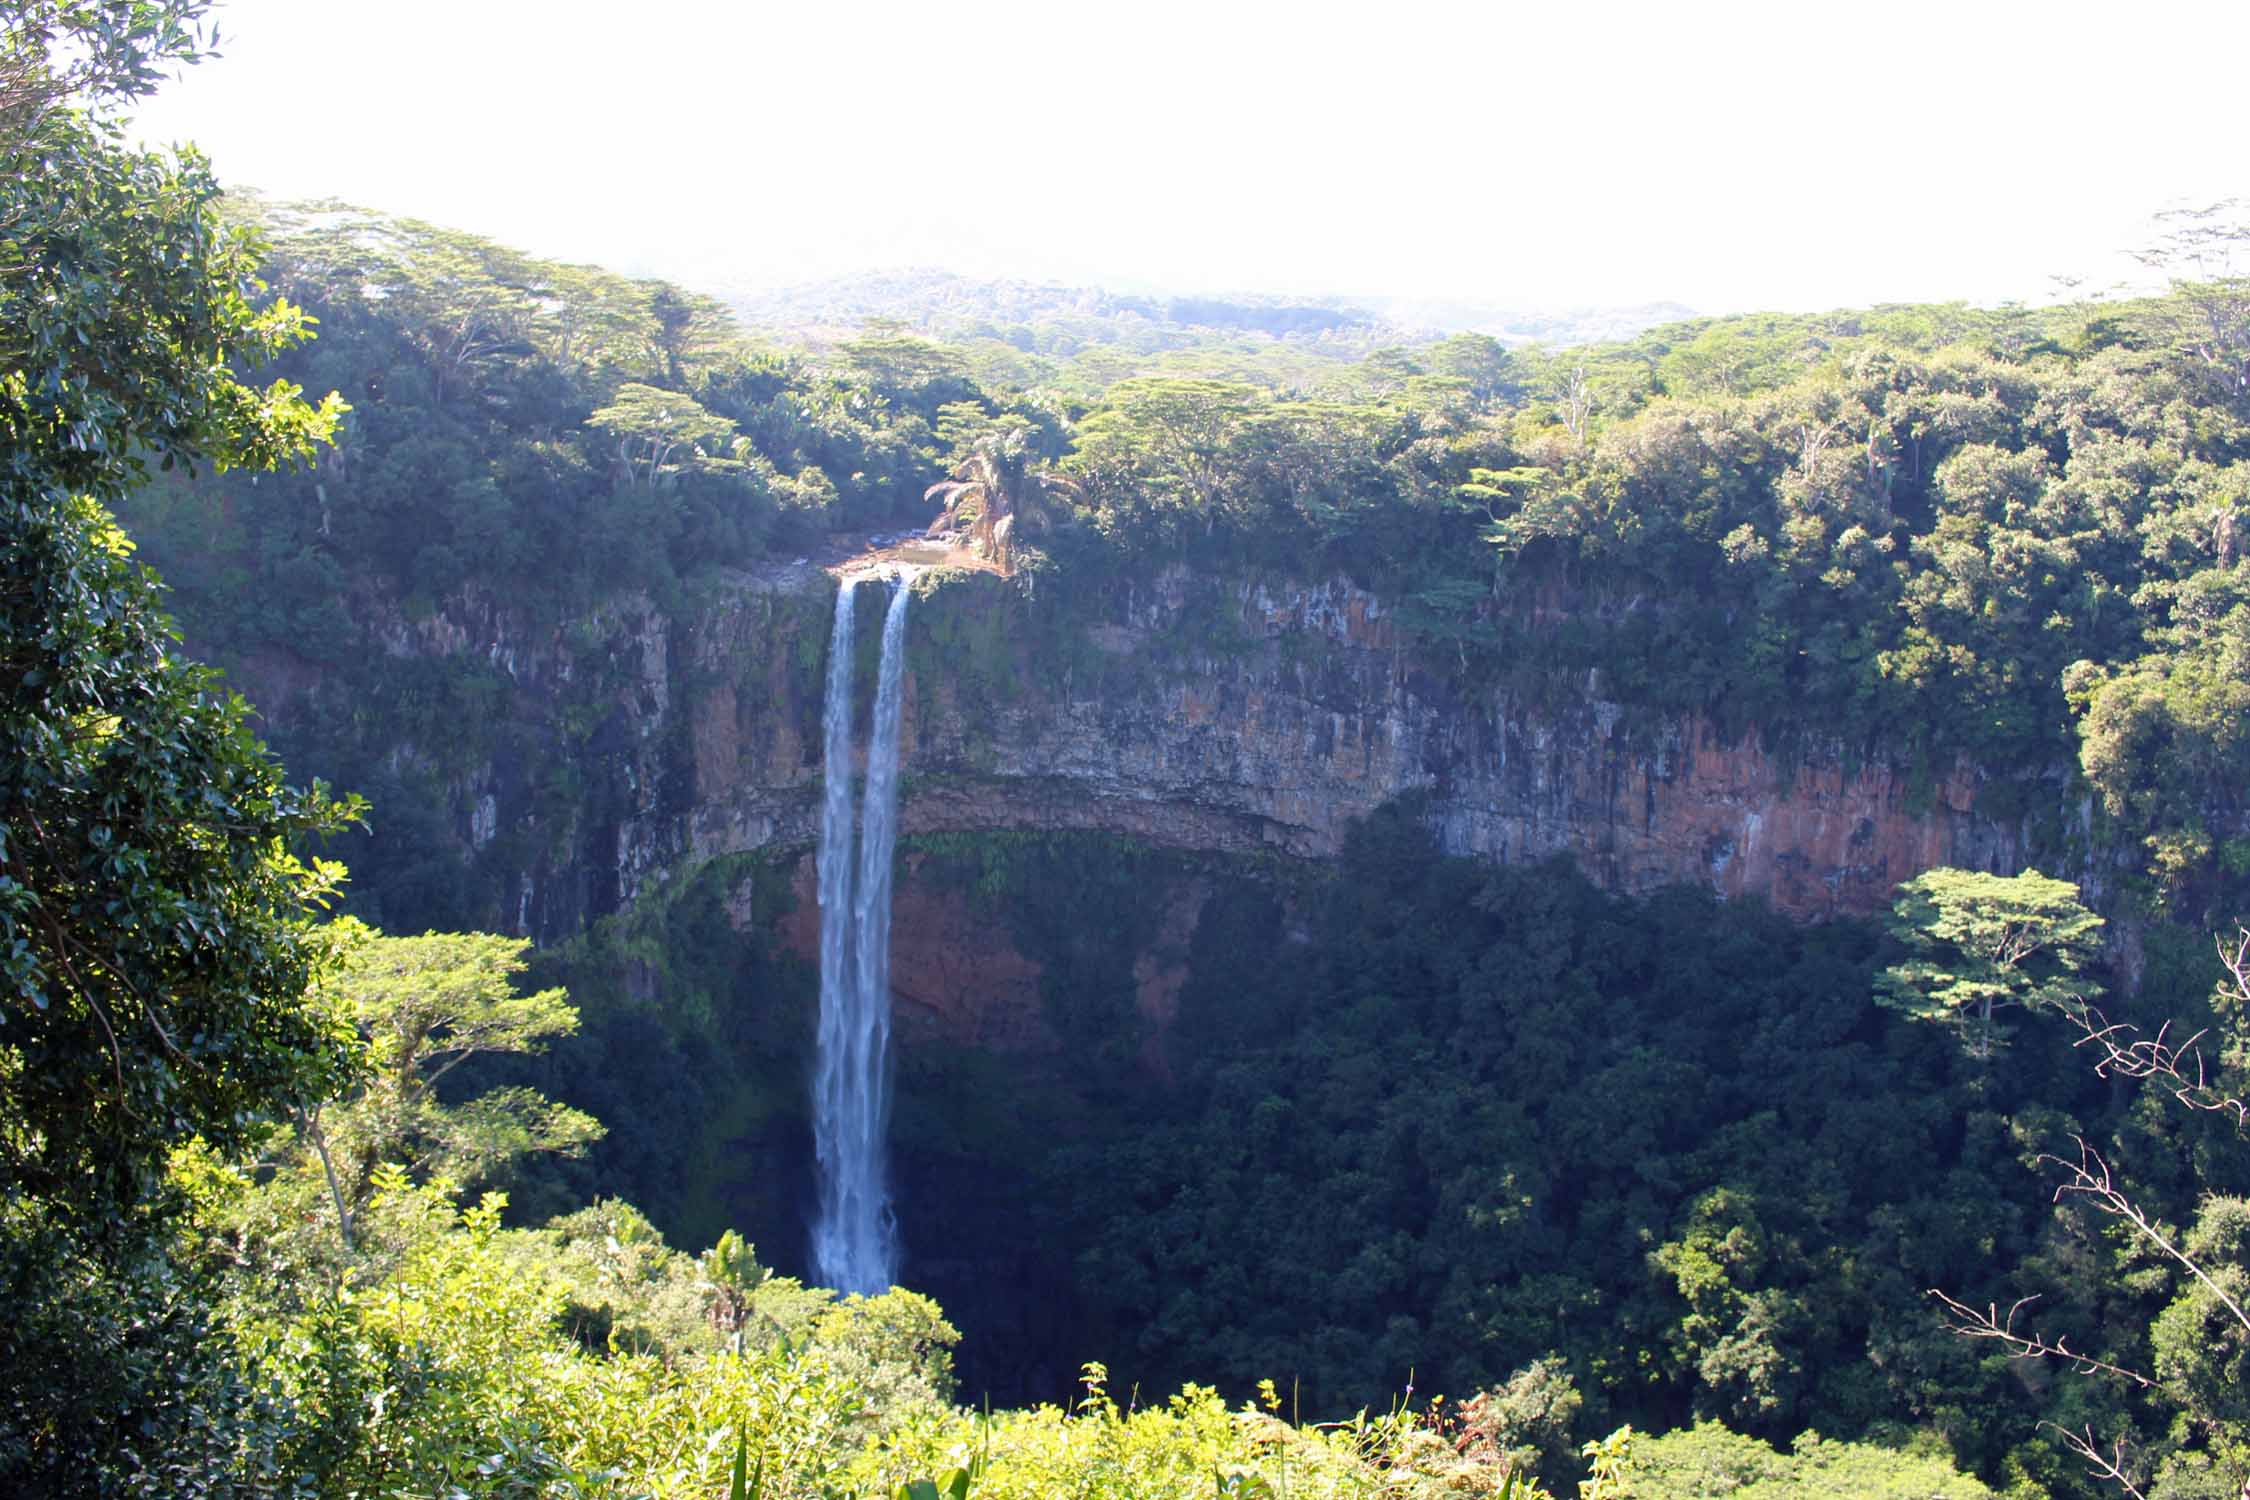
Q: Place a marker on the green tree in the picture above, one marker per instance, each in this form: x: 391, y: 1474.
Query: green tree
x: 1736, y: 1333
x: 427, y: 1005
x: 901, y: 367
x: 152, y: 916
x: 2165, y: 739
x: 1524, y: 1424
x: 1483, y: 361
x: 155, y: 943
x: 652, y: 427
x: 994, y: 490
x: 1979, y: 943
x: 685, y: 327
x: 1159, y: 443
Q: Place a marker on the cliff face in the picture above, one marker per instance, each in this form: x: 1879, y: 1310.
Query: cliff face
x: 1210, y: 713
x: 1305, y: 712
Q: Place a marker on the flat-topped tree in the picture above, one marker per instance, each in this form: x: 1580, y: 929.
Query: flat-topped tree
x: 424, y: 1007
x: 1978, y: 944
x: 657, y: 430
x: 1167, y: 447
x: 2205, y: 251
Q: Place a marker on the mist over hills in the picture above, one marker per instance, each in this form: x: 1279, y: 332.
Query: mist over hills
x: 1054, y: 318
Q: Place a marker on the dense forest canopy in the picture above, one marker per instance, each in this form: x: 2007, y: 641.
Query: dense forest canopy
x: 1938, y: 534
x: 2009, y: 535
x: 1582, y: 1160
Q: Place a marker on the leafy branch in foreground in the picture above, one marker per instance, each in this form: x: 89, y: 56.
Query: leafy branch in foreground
x: 154, y: 945
x: 52, y: 51
x: 157, y: 941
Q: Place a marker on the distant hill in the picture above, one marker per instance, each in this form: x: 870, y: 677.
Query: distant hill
x: 1055, y: 320
x: 1519, y: 324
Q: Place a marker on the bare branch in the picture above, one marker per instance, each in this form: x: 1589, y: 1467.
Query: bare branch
x: 2109, y: 1465
x: 2122, y: 1052
x: 1988, y: 1324
x: 2089, y: 1177
x: 1574, y: 403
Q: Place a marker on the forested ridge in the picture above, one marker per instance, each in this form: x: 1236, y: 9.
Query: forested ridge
x: 1445, y: 1179
x: 1924, y: 532
x: 1082, y: 339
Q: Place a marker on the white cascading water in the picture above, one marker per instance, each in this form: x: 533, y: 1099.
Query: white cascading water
x: 855, y: 1238
x: 834, y: 864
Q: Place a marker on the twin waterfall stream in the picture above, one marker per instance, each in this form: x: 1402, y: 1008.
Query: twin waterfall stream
x: 855, y: 1236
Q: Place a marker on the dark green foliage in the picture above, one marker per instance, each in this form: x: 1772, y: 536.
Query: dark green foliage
x: 120, y: 1382
x: 151, y: 915
x: 1603, y: 1159
x: 155, y: 948
x: 1465, y: 1119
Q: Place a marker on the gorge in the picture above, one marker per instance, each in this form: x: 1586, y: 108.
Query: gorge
x: 1381, y: 887
x: 1382, y: 909
x: 1107, y: 801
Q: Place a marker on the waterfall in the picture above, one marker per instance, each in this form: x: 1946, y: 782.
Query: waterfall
x: 855, y: 1238
x: 834, y: 863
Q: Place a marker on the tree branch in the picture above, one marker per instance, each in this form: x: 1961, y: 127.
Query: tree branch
x: 2109, y: 1465
x: 2089, y: 1177
x: 2123, y: 1053
x: 319, y: 1138
x: 1988, y: 1324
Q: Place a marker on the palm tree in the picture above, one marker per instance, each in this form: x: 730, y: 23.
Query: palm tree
x: 997, y: 493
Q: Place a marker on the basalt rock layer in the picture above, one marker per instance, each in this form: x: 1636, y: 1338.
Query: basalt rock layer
x: 1303, y: 710
x: 1233, y: 714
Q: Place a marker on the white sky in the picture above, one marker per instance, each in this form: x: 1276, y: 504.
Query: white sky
x: 1730, y: 156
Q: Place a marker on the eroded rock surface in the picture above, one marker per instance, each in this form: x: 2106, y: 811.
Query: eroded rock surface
x: 1314, y: 714
x: 1214, y: 713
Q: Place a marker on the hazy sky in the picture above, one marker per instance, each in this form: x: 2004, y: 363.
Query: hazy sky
x: 1729, y: 156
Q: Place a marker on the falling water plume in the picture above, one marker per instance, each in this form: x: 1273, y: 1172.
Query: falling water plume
x: 855, y: 1239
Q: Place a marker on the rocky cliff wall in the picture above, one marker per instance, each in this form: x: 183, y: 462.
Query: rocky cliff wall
x: 1229, y: 714
x: 1302, y: 711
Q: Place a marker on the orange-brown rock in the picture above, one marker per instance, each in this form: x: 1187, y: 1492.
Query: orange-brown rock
x: 1234, y: 714
x: 955, y: 975
x: 1278, y: 741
